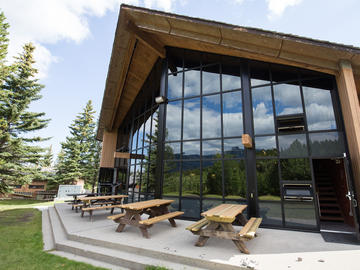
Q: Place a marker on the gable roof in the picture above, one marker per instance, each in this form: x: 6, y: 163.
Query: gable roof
x: 142, y: 35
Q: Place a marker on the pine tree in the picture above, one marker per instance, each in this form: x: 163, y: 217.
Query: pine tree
x: 79, y: 158
x: 19, y: 155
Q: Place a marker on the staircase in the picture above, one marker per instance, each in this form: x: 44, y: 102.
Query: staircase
x: 329, y: 206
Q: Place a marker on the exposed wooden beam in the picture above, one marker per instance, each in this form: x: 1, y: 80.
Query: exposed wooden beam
x: 108, y: 148
x: 351, y: 113
x: 147, y: 39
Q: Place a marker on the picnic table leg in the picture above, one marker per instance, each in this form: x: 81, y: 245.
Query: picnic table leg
x: 243, y: 220
x: 144, y: 231
x: 203, y: 239
x: 238, y: 243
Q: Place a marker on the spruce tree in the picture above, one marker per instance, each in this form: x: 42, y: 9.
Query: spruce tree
x: 19, y: 155
x: 79, y: 158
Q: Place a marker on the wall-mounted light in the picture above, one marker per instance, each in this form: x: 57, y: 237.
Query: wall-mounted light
x: 160, y: 99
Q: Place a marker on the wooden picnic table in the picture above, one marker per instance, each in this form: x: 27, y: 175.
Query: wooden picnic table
x: 218, y: 222
x: 87, y: 201
x: 75, y: 199
x: 110, y: 201
x: 156, y: 209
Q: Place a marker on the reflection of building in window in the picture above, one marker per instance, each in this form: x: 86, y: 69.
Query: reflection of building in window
x: 290, y: 123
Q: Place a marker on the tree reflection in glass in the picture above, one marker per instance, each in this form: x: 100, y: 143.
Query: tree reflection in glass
x: 212, y: 179
x: 295, y: 169
x: 325, y: 144
x: 293, y: 145
x: 171, y: 184
x: 191, y: 178
x: 266, y: 146
x: 235, y: 179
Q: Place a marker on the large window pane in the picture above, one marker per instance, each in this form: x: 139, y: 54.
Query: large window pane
x: 211, y: 149
x: 268, y: 179
x: 319, y: 109
x: 212, y: 179
x: 233, y: 148
x: 191, y: 118
x: 191, y: 178
x: 171, y: 184
x: 266, y: 146
x: 230, y: 82
x: 152, y: 176
x: 295, y: 169
x: 210, y: 80
x: 140, y: 136
x: 172, y: 151
x: 262, y: 110
x: 232, y: 114
x: 191, y: 150
x: 293, y: 145
x: 300, y: 214
x: 287, y: 99
x: 191, y: 207
x: 175, y: 85
x: 173, y: 121
x: 327, y: 144
x: 235, y: 179
x: 192, y: 83
x: 147, y: 131
x: 211, y: 112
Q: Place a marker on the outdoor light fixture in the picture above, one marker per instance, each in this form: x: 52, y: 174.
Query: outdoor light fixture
x: 160, y: 99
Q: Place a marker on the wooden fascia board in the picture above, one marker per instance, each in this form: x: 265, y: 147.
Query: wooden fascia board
x: 122, y: 79
x: 268, y: 56
x: 147, y: 39
x: 305, y: 60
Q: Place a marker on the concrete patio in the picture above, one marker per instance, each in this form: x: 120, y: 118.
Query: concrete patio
x: 66, y: 232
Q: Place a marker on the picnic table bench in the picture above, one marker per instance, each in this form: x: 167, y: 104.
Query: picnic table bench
x: 218, y: 223
x: 89, y: 204
x: 156, y: 209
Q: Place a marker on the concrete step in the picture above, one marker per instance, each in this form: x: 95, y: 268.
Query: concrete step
x: 48, y: 238
x: 93, y: 262
x: 110, y: 255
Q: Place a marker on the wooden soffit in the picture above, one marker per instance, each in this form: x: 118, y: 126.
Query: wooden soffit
x: 142, y: 35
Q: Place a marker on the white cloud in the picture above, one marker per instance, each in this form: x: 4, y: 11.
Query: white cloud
x: 48, y: 22
x: 277, y: 7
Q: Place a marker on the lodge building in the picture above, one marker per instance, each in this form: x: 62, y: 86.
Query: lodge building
x: 205, y: 113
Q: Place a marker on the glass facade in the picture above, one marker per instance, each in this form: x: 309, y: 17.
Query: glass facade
x: 192, y: 143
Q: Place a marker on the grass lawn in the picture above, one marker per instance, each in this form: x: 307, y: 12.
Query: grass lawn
x: 21, y: 245
x: 19, y: 203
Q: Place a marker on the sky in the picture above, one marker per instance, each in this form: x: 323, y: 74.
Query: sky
x: 74, y: 38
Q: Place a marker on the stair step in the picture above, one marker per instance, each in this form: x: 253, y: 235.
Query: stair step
x: 327, y: 198
x: 327, y: 205
x: 330, y: 211
x: 327, y: 193
x: 48, y: 238
x: 331, y: 218
x: 93, y: 262
x: 324, y: 184
x: 329, y: 188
